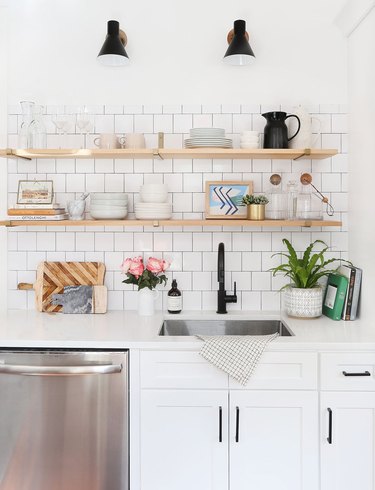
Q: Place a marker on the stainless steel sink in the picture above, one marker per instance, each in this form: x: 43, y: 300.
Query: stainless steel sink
x: 223, y: 327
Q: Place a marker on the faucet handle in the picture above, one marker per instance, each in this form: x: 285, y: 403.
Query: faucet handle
x: 234, y: 288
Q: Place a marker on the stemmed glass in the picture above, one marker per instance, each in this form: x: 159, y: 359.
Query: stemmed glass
x: 63, y: 124
x: 85, y: 123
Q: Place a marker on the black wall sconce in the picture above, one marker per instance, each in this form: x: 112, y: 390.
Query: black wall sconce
x: 239, y: 51
x: 113, y: 50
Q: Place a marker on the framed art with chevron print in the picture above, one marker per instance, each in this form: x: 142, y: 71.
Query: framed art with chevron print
x: 224, y: 199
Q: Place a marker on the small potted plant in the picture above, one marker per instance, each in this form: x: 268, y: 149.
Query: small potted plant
x: 146, y: 277
x: 304, y: 295
x: 256, y: 206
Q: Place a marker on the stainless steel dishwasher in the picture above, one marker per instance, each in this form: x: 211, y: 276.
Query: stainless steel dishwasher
x: 63, y: 420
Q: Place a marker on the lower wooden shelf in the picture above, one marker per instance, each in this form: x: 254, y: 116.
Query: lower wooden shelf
x: 175, y: 222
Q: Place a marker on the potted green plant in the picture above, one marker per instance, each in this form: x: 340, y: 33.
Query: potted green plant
x: 304, y: 295
x: 256, y: 206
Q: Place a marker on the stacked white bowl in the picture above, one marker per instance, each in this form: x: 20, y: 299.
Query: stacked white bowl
x: 249, y: 139
x: 153, y: 202
x: 108, y: 205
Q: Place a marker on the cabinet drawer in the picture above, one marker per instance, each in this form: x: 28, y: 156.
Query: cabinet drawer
x: 348, y: 371
x: 179, y: 369
x: 283, y: 371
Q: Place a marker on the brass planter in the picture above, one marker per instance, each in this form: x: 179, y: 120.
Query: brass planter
x: 256, y: 212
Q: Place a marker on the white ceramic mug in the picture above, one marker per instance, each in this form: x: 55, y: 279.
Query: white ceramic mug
x: 146, y: 301
x: 108, y: 141
x: 135, y: 140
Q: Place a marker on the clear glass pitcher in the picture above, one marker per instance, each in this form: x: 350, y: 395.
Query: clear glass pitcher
x: 37, y: 129
x: 24, y: 137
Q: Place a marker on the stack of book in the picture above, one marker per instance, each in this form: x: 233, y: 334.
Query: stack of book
x: 342, y: 293
x: 37, y: 212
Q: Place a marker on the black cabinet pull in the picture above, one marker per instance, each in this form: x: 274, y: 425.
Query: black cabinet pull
x: 220, y: 424
x: 329, y: 438
x: 237, y: 424
x: 366, y: 373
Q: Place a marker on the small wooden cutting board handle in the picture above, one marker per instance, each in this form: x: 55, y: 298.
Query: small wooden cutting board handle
x: 24, y: 286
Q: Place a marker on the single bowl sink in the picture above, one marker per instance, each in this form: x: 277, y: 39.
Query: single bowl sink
x: 224, y: 327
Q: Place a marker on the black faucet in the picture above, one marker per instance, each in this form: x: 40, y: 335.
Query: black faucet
x: 222, y: 297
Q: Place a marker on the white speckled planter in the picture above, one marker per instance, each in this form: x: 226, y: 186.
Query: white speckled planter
x: 303, y: 303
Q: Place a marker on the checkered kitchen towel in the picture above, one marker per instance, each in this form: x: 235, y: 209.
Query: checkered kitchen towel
x: 237, y: 355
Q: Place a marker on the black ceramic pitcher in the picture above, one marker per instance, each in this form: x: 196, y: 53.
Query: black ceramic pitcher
x: 276, y: 131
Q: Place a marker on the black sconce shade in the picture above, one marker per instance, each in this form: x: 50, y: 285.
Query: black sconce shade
x: 113, y: 51
x: 239, y: 51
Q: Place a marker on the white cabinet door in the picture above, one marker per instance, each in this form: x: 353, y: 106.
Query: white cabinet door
x: 348, y: 441
x: 184, y: 440
x: 274, y: 440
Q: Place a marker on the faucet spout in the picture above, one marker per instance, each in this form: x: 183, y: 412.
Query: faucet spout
x: 222, y: 297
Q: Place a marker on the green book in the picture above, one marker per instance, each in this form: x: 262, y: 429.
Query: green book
x: 334, y: 298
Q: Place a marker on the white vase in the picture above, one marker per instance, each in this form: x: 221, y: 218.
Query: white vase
x: 303, y: 303
x: 146, y: 301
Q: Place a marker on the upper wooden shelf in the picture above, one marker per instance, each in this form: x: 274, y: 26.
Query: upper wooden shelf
x: 167, y: 153
x: 174, y: 222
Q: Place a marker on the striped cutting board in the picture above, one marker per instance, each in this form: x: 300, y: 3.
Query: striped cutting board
x: 52, y: 277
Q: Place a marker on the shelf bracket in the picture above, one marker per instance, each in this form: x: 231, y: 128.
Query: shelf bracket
x: 156, y: 154
x: 12, y: 154
x: 306, y: 224
x: 7, y: 224
x: 155, y: 224
x: 306, y: 153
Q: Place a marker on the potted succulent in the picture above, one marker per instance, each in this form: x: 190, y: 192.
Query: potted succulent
x: 256, y: 206
x: 304, y: 295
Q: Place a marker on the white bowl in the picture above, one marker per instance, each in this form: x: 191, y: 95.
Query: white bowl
x: 250, y: 146
x: 250, y: 133
x: 151, y: 188
x: 151, y: 216
x: 109, y: 208
x: 108, y: 195
x: 108, y: 214
x: 249, y: 140
x: 153, y: 197
x: 109, y: 202
x: 165, y: 206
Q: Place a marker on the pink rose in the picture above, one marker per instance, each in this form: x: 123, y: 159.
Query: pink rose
x: 136, y: 267
x: 125, y: 266
x: 154, y: 265
x: 166, y: 265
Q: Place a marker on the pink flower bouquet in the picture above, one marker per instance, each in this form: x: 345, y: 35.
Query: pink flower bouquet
x: 148, y: 276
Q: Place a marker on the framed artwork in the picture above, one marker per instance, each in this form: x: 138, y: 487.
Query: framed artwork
x: 35, y: 192
x: 224, y: 199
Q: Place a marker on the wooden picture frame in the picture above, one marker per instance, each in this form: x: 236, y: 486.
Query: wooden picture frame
x: 224, y: 199
x: 35, y: 192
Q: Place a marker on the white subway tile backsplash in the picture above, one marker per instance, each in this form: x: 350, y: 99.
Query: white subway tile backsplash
x: 193, y: 250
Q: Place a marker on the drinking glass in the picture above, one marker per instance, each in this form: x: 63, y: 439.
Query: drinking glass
x: 84, y: 123
x: 63, y: 124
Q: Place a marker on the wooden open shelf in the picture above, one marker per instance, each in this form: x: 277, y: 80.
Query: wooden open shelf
x: 167, y: 153
x: 175, y: 222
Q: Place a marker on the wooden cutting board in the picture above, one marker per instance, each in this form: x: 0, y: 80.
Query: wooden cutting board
x: 52, y: 277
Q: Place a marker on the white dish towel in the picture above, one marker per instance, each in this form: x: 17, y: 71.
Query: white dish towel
x: 237, y: 355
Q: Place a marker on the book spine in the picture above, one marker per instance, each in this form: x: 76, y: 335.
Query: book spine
x: 58, y: 217
x: 350, y: 293
x: 37, y: 206
x: 35, y: 212
x: 356, y: 293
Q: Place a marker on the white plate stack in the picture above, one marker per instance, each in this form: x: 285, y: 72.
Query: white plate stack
x: 153, y: 203
x: 249, y: 139
x: 208, y: 138
x: 108, y: 205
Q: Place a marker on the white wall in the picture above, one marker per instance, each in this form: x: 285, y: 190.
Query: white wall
x: 176, y: 50
x: 362, y: 150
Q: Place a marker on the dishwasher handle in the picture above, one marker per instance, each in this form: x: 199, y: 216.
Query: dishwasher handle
x: 26, y: 370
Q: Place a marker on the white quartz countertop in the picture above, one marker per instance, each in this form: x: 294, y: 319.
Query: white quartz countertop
x: 127, y: 330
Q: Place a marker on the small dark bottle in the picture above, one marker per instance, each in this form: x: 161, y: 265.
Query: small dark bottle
x: 174, y: 299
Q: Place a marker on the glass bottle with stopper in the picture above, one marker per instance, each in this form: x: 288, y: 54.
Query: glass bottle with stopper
x: 310, y: 203
x: 277, y: 207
